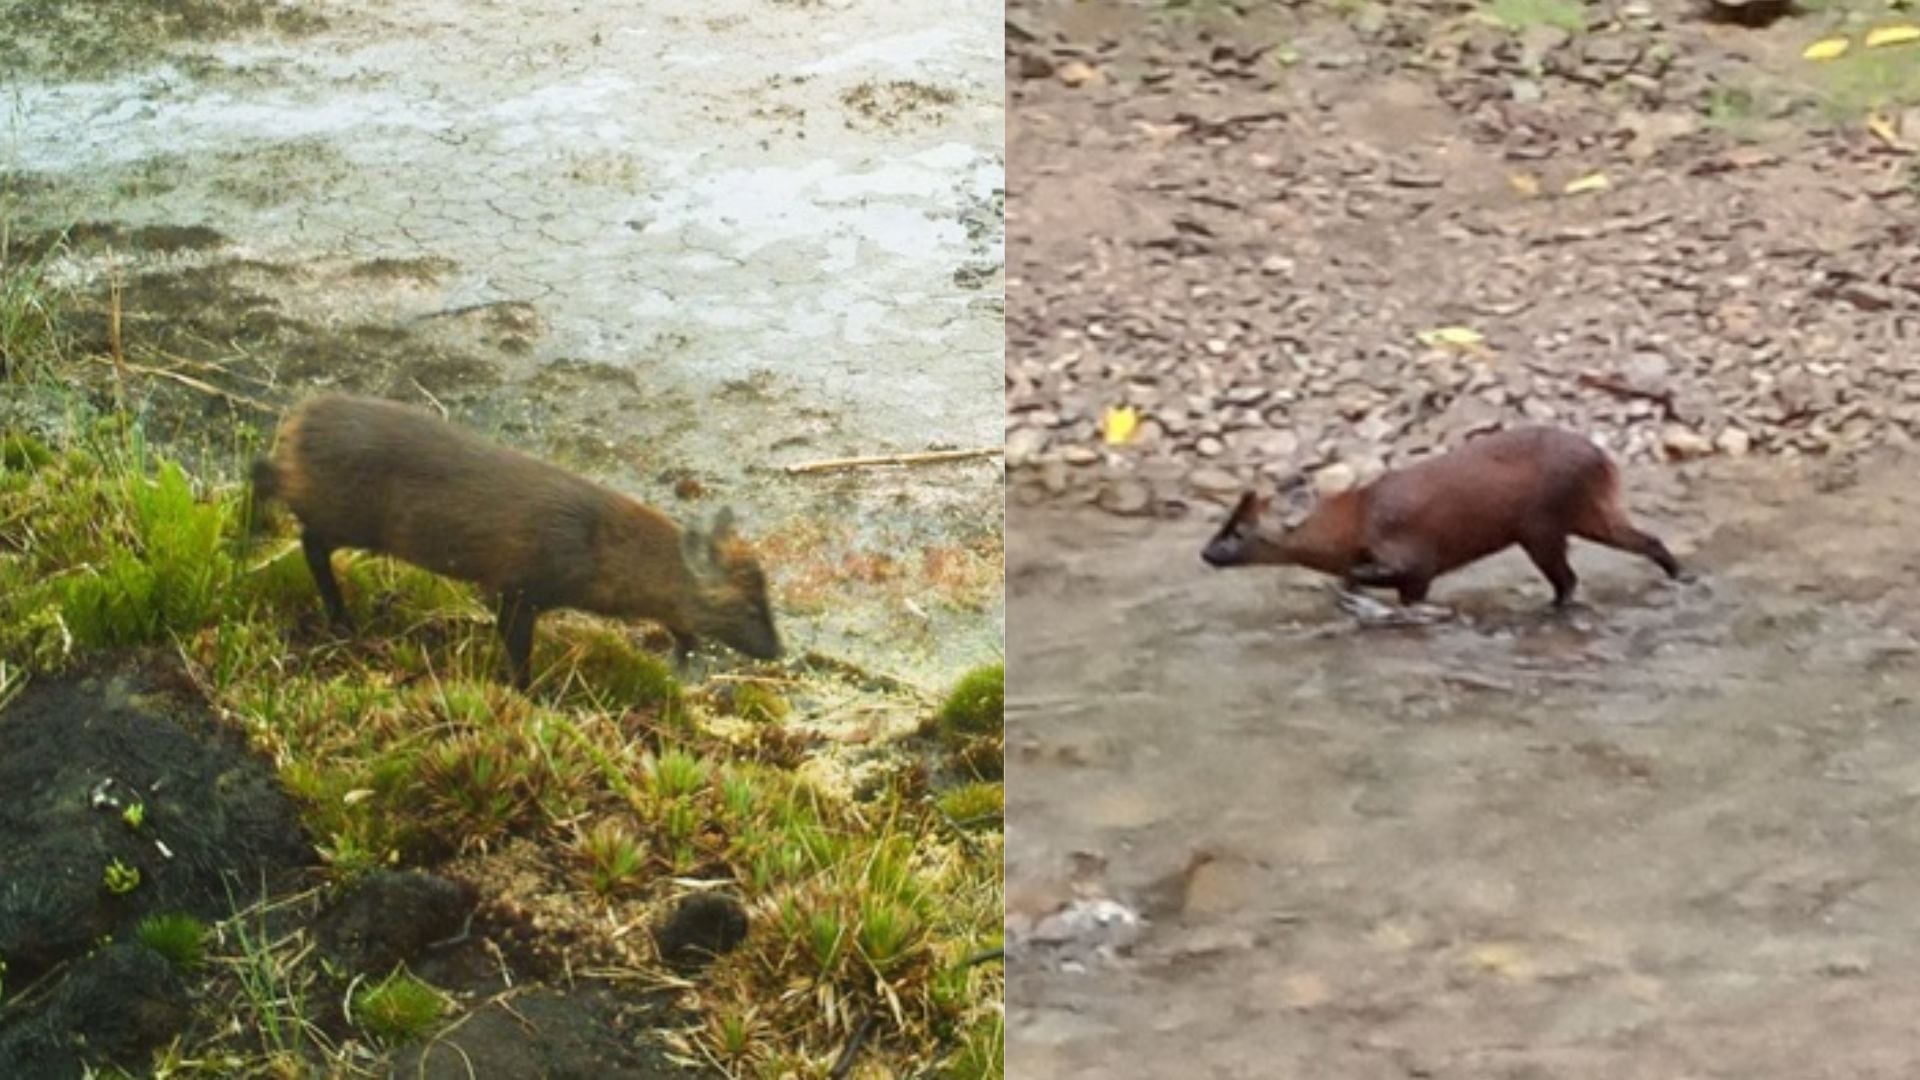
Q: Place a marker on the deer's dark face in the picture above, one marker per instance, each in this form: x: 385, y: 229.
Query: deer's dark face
x: 734, y: 608
x: 1254, y: 534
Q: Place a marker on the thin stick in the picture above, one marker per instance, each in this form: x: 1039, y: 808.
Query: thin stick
x: 982, y: 957
x: 189, y: 381
x: 1619, y: 388
x: 927, y: 458
x: 429, y: 395
x: 113, y: 344
x: 851, y: 1054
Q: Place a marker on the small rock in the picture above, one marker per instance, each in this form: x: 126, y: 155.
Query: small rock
x: 1213, y: 481
x: 393, y: 916
x: 1276, y: 266
x: 1079, y: 73
x: 1335, y: 478
x: 1127, y: 497
x: 1079, y: 455
x: 1053, y: 477
x: 1034, y: 65
x: 1734, y: 442
x: 1024, y: 444
x: 1682, y: 443
x: 1209, y: 447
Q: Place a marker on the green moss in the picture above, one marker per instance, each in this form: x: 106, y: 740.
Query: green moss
x: 756, y: 703
x: 182, y: 939
x: 24, y: 453
x: 606, y: 670
x: 976, y: 705
x: 974, y: 804
x: 398, y: 1009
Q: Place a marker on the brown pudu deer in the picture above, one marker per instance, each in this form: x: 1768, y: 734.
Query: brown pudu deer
x: 1531, y: 486
x: 398, y: 481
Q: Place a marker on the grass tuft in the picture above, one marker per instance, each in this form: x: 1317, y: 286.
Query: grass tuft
x: 182, y: 939
x: 974, y: 804
x: 31, y: 339
x: 614, y: 858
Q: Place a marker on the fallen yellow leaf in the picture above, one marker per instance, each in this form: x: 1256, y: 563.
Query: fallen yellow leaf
x: 1892, y: 35
x: 1452, y: 337
x: 1120, y: 424
x: 1506, y: 960
x: 1526, y: 185
x: 1883, y: 130
x: 1590, y: 182
x: 1826, y: 49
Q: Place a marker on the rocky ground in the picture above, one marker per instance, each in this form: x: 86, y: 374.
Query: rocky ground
x: 1247, y: 222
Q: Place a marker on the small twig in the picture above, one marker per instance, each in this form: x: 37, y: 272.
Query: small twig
x: 982, y: 957
x: 465, y: 309
x: 429, y: 396
x: 959, y: 831
x: 844, y: 1066
x: 1619, y: 388
x: 466, y: 931
x: 849, y: 670
x: 929, y: 457
x: 113, y: 341
x: 192, y: 383
x: 1615, y: 386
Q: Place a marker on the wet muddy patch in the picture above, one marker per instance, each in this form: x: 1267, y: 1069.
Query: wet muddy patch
x: 1511, y: 840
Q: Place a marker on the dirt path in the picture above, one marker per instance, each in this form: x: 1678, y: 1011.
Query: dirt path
x: 1673, y: 837
x: 678, y: 247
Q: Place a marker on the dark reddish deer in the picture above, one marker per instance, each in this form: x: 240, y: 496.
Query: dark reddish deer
x: 395, y: 480
x: 1531, y: 486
